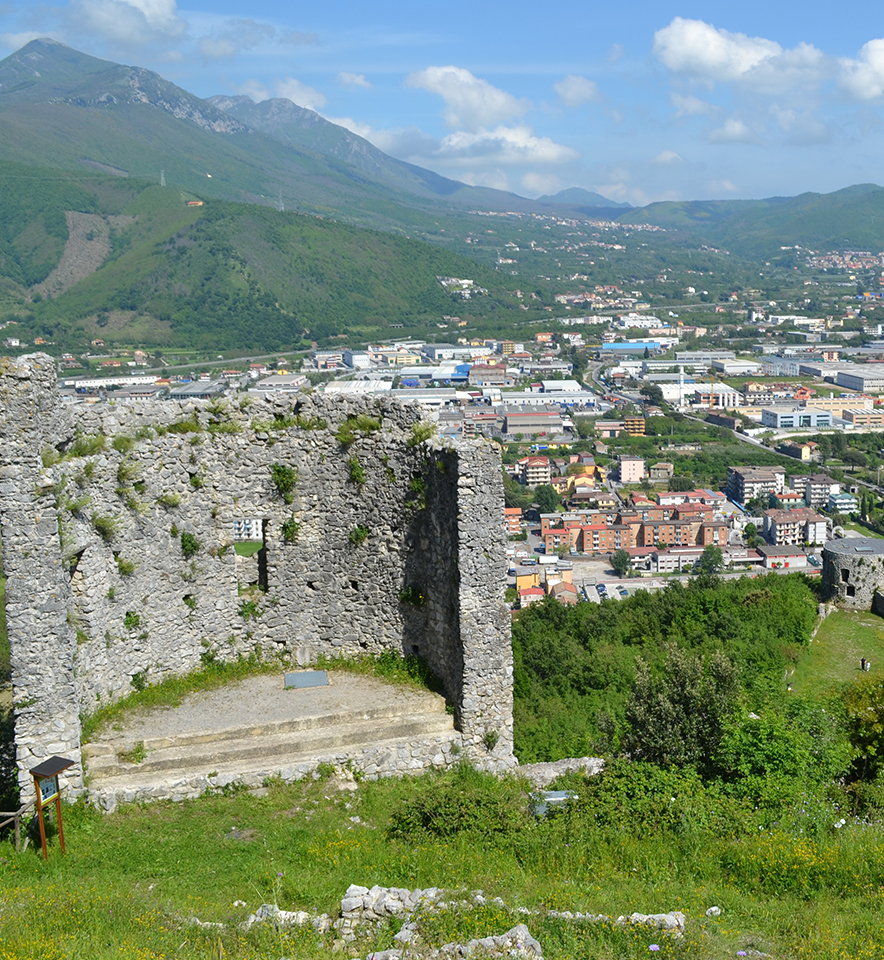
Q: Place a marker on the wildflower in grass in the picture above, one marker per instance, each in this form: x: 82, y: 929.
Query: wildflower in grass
x: 654, y: 946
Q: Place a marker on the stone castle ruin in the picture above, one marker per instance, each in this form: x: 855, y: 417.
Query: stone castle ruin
x: 118, y: 527
x: 853, y: 573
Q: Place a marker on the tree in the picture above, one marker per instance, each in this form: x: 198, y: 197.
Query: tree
x: 711, y: 560
x: 546, y: 498
x: 678, y: 717
x: 855, y: 458
x: 621, y: 562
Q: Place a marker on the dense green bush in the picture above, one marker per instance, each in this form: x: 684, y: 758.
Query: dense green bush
x: 464, y: 801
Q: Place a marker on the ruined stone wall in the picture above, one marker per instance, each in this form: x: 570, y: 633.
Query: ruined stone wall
x: 388, y: 541
x: 853, y: 572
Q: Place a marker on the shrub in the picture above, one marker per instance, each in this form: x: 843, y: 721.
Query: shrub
x: 356, y: 471
x: 291, y: 529
x: 285, y: 480
x: 463, y: 802
x: 123, y: 444
x: 126, y: 567
x: 249, y: 610
x: 189, y: 544
x: 359, y: 534
x: 127, y: 471
x: 132, y: 620
x: 169, y: 499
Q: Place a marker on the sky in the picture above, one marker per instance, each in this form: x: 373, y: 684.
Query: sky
x: 638, y: 100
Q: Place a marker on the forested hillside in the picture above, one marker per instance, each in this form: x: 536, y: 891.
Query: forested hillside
x: 222, y: 275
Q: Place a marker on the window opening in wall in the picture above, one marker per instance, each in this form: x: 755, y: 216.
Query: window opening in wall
x: 845, y: 576
x: 354, y: 584
x: 263, y: 583
x: 851, y: 590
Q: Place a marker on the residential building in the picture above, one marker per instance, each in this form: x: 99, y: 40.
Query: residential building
x: 513, y: 519
x: 816, y: 488
x: 794, y: 526
x: 632, y: 468
x: 746, y: 483
x: 661, y: 471
x: 842, y: 503
x: 535, y: 470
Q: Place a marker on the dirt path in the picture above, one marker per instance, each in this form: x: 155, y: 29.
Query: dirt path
x: 86, y: 249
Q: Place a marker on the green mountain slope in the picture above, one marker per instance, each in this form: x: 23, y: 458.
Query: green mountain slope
x: 578, y: 197
x: 849, y: 218
x: 219, y: 276
x: 60, y: 108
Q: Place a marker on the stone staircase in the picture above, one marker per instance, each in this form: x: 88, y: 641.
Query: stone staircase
x: 393, y: 736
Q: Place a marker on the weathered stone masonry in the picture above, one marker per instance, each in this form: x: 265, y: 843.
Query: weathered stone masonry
x: 393, y: 542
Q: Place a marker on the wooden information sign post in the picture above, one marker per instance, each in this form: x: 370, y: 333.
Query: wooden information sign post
x: 45, y: 776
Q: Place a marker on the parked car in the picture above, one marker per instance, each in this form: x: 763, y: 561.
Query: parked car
x: 601, y: 588
x: 623, y: 591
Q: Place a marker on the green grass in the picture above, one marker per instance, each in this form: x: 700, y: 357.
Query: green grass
x: 248, y: 548
x: 862, y: 530
x: 131, y: 881
x: 833, y: 657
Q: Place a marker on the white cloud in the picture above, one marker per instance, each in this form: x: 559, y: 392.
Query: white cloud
x: 668, y: 156
x: 487, y: 178
x: 254, y: 89
x: 15, y: 41
x: 697, y: 48
x: 353, y: 80
x: 129, y: 21
x: 863, y: 77
x: 615, y: 53
x: 800, y: 127
x: 471, y: 103
x: 299, y: 93
x: 354, y: 126
x: 690, y: 105
x: 575, y: 90
x: 503, y: 145
x: 733, y: 131
x: 538, y: 183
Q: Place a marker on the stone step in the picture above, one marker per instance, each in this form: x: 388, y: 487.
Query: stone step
x: 107, y: 746
x: 214, y: 754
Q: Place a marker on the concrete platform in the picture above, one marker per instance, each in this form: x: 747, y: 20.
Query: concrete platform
x: 254, y: 729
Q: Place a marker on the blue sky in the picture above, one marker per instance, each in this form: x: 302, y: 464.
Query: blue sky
x: 640, y: 101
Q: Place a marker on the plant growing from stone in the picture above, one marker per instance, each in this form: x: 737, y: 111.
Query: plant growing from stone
x: 354, y: 427
x: 290, y: 529
x: 285, y: 479
x: 412, y: 596
x: 126, y: 567
x: 169, y: 500
x: 359, y: 534
x: 105, y: 526
x: 132, y: 620
x: 420, y: 432
x: 189, y: 544
x: 249, y: 609
x: 356, y: 471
